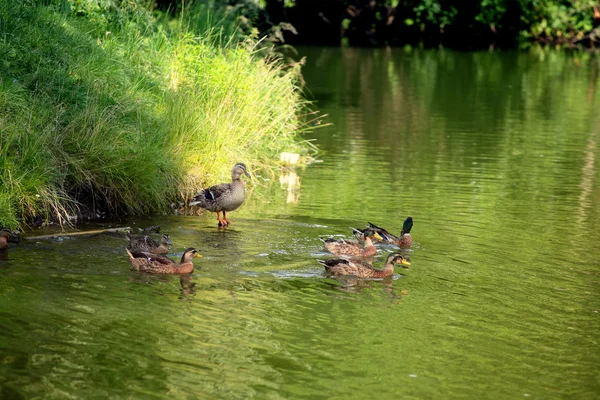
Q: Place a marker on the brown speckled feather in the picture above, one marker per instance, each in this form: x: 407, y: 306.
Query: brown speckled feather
x: 158, y: 264
x: 361, y: 269
x: 343, y: 248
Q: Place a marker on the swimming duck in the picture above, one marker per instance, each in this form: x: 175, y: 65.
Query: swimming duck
x: 341, y: 247
x: 362, y: 269
x: 4, y: 236
x: 224, y: 197
x: 404, y: 240
x: 157, y: 264
x: 141, y: 244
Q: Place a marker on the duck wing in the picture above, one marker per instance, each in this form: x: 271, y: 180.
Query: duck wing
x: 341, y: 247
x: 388, y: 237
x: 340, y: 267
x: 211, y: 196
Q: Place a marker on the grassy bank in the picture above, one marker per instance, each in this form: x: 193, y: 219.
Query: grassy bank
x: 109, y: 107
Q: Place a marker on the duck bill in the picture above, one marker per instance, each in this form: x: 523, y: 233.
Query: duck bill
x: 404, y: 263
x: 197, y: 255
x: 377, y: 236
x: 246, y: 173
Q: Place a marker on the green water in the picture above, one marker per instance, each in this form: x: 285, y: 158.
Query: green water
x: 497, y: 159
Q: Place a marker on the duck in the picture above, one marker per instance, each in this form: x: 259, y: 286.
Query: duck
x: 341, y: 247
x: 405, y: 239
x: 158, y: 264
x: 362, y: 269
x: 225, y: 196
x: 4, y: 236
x: 141, y: 244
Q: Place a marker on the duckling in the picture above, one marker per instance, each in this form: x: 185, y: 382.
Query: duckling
x: 157, y: 264
x: 405, y: 239
x: 224, y: 197
x: 341, y: 247
x: 141, y: 244
x: 361, y: 269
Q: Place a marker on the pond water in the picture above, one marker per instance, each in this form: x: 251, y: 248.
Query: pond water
x: 494, y: 155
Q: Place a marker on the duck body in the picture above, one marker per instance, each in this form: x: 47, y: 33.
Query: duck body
x: 225, y: 196
x: 145, y: 244
x: 159, y: 264
x: 341, y: 247
x: 362, y: 269
x: 4, y: 235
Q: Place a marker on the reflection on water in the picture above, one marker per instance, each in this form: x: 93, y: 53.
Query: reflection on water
x: 494, y: 155
x: 290, y: 181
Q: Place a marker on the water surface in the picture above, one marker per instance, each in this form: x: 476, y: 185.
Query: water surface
x: 495, y: 156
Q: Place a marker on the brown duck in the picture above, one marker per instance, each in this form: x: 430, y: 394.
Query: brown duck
x: 157, y: 264
x: 341, y: 247
x: 4, y: 235
x: 224, y: 197
x: 145, y: 244
x: 361, y: 269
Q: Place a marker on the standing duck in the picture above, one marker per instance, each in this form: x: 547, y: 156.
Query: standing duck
x: 341, y: 247
x: 157, y: 264
x: 405, y: 239
x: 224, y: 197
x: 145, y: 244
x: 361, y: 269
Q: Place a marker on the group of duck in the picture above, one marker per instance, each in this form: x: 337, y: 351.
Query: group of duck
x: 149, y: 255
x: 358, y: 253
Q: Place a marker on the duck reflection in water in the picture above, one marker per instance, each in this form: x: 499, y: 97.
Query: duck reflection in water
x: 354, y: 285
x: 188, y: 287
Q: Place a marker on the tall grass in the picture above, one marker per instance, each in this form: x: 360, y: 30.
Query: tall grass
x: 105, y: 107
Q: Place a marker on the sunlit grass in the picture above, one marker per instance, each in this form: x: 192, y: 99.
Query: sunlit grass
x: 119, y: 112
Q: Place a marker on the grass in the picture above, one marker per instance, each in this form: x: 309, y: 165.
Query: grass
x: 106, y: 107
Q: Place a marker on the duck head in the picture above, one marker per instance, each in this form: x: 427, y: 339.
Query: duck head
x: 370, y: 233
x: 238, y: 170
x: 166, y: 240
x: 395, y: 258
x: 188, y: 254
x: 407, y: 226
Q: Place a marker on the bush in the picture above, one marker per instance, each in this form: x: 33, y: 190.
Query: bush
x: 106, y: 106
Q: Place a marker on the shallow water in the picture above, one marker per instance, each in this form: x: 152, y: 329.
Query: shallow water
x: 495, y: 156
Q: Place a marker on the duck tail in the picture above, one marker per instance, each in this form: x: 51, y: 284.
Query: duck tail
x: 359, y: 234
x: 130, y: 255
x: 323, y: 263
x: 372, y: 225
